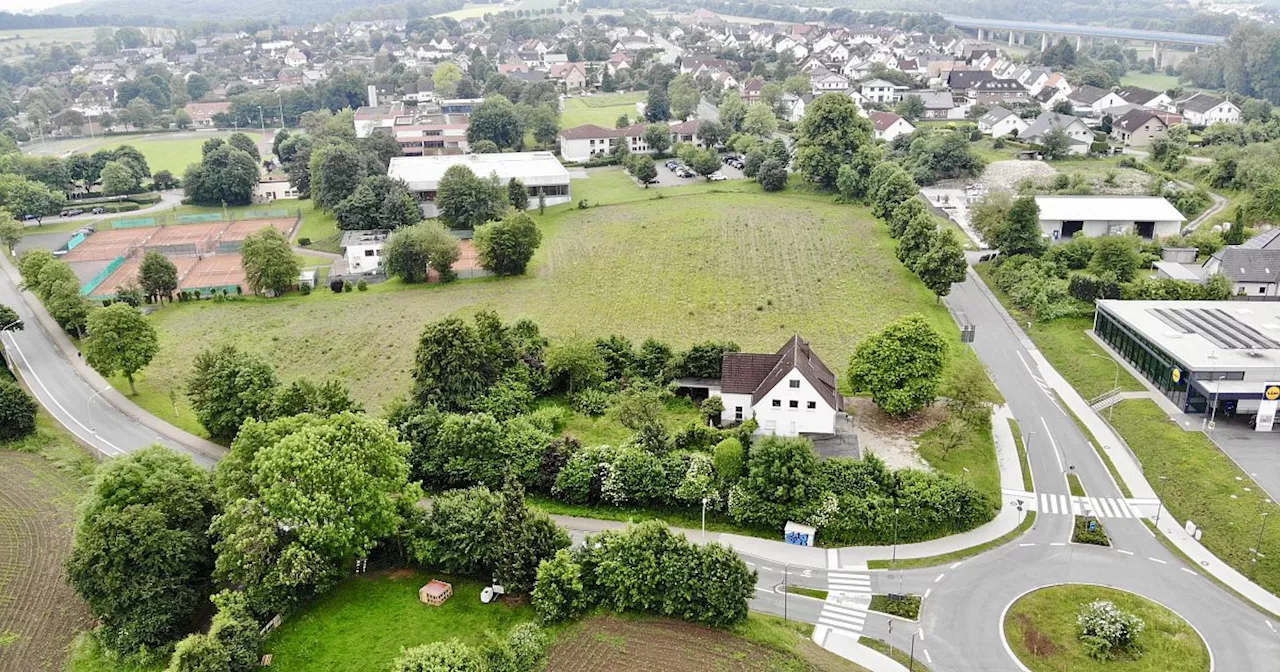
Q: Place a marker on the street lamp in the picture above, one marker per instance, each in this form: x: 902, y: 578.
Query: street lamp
x: 1161, y: 506
x: 1213, y: 412
x: 1257, y: 552
x: 704, y: 519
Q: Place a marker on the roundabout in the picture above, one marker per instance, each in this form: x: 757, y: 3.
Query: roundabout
x: 1041, y: 632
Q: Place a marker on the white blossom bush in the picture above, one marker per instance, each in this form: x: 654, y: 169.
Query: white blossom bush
x: 1104, y: 628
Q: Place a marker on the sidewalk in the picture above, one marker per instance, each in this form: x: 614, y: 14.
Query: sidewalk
x: 95, y: 380
x: 848, y: 648
x: 1131, y: 473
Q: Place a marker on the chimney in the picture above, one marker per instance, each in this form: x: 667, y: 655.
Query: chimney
x: 373, y: 96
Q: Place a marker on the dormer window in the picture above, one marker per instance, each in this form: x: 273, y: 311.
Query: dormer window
x: 795, y: 384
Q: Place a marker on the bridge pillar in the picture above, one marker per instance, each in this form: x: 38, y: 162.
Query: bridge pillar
x: 1155, y: 54
x: 1022, y: 38
x: 1079, y: 43
x: 979, y: 34
x: 1011, y: 38
x: 1044, y: 41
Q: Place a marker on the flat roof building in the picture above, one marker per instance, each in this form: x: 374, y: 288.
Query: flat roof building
x: 1198, y: 353
x: 540, y: 172
x: 1149, y: 217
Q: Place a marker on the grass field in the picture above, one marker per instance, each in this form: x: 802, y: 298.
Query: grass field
x: 1168, y: 643
x: 640, y: 644
x: 688, y: 269
x: 164, y: 151
x: 977, y: 453
x: 363, y: 622
x: 902, y: 657
x: 601, y: 110
x: 1205, y: 486
x: 41, y: 479
x: 12, y: 42
x: 1153, y: 81
x: 1027, y: 483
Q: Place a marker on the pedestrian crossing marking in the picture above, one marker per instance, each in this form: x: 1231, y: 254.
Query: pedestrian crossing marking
x: 1101, y: 507
x: 848, y: 596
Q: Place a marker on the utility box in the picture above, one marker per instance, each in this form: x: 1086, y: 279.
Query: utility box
x: 799, y: 535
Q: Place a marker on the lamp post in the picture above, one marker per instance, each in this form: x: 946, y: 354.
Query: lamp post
x: 1160, y: 508
x: 704, y: 519
x: 88, y: 406
x: 1213, y: 411
x: 911, y: 657
x: 1257, y: 552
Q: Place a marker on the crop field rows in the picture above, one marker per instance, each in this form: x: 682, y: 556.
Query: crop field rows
x: 606, y: 644
x: 39, y: 613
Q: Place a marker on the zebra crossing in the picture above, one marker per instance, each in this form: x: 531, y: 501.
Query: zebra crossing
x: 848, y: 596
x: 1099, y: 507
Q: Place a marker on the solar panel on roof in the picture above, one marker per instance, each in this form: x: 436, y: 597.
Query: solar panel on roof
x: 1217, y: 326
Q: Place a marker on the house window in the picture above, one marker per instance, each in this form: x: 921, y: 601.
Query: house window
x: 795, y: 384
x: 368, y: 253
x: 811, y: 405
x: 737, y: 413
x: 777, y: 403
x: 794, y: 404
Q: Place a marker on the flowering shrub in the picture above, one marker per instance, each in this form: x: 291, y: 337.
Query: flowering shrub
x: 1104, y: 629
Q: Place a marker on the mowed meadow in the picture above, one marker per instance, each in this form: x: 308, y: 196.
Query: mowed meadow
x: 752, y: 268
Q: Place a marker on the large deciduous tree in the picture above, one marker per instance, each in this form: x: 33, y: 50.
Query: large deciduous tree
x: 121, y: 340
x: 658, y: 105
x: 900, y: 365
x: 466, y: 201
x: 269, y: 263
x: 506, y: 246
x: 733, y: 112
x: 411, y: 251
x: 141, y: 557
x: 684, y: 96
x: 1019, y: 233
x: 158, y: 276
x: 827, y: 137
x: 943, y: 264
x: 228, y: 386
x: 496, y: 120
x: 336, y: 171
x: 379, y: 202
x: 17, y: 408
x: 303, y: 498
x: 226, y: 175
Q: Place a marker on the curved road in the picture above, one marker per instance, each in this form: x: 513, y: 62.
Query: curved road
x: 960, y: 625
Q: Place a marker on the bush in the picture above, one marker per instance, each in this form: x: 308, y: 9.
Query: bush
x: 779, y: 483
x: 346, y: 286
x: 1104, y: 628
x: 729, y: 460
x: 1082, y: 535
x: 450, y: 656
x: 592, y: 402
x: 304, y: 241
x: 559, y: 594
x: 772, y: 175
x: 362, y: 285
x: 636, y: 477
x: 1090, y: 288
x: 582, y: 477
x: 17, y: 412
x: 523, y: 650
x: 336, y: 285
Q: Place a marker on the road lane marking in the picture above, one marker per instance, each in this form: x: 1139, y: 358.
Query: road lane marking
x: 1190, y: 571
x: 927, y: 592
x: 764, y: 590
x: 31, y: 370
x: 1125, y: 552
x: 1052, y: 443
x: 1025, y: 545
x: 1273, y: 628
x: 1158, y: 560
x: 1058, y: 543
x: 921, y: 633
x: 939, y: 577
x: 955, y: 564
x: 928, y: 657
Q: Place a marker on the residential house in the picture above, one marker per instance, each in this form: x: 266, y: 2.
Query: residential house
x: 582, y: 143
x: 1074, y: 128
x: 960, y: 81
x: 938, y: 104
x: 572, y: 76
x: 1139, y: 127
x: 295, y: 58
x: 202, y: 113
x: 999, y: 122
x: 824, y: 81
x: 1253, y: 268
x: 362, y: 250
x: 273, y: 188
x: 751, y: 90
x: 789, y: 392
x: 1092, y: 100
x: 1144, y: 98
x: 997, y: 92
x: 1148, y: 217
x: 887, y: 126
x: 795, y: 106
x: 1202, y: 109
x: 880, y: 91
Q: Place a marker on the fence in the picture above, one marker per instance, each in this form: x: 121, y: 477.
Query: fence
x: 102, y: 276
x: 139, y: 223
x: 195, y: 219
x: 76, y: 240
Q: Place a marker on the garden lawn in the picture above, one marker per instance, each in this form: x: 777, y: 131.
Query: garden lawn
x: 612, y: 186
x: 602, y: 110
x: 320, y: 227
x: 593, y: 431
x: 751, y: 268
x: 1153, y: 81
x: 977, y: 453
x: 363, y: 622
x: 1169, y: 644
x: 1201, y: 484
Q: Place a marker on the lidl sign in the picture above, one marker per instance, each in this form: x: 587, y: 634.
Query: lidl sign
x: 1272, y: 393
x: 1176, y: 374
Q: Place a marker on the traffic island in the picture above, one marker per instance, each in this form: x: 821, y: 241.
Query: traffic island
x: 1087, y: 628
x: 902, y: 606
x: 1089, y: 530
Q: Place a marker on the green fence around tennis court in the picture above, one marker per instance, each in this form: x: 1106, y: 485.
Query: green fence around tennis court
x: 203, y: 217
x: 138, y: 223
x: 101, y: 277
x: 171, y: 218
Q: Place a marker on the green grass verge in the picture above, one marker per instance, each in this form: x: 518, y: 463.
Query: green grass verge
x: 1173, y: 548
x: 1073, y: 483
x: 683, y: 518
x: 602, y: 110
x: 1027, y: 483
x: 605, y: 430
x: 362, y: 623
x: 1168, y: 643
x: 320, y: 227
x: 896, y: 654
x: 1152, y: 81
x: 977, y: 453
x: 948, y: 558
x: 1080, y: 534
x: 1205, y: 486
x: 815, y: 593
x: 908, y: 608
x: 1097, y: 447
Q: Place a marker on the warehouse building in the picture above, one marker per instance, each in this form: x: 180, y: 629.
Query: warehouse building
x: 540, y: 172
x: 1148, y: 217
x: 1201, y: 354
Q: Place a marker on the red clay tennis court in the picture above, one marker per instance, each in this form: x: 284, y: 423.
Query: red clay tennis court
x: 190, y: 239
x: 105, y: 245
x: 239, y: 230
x: 128, y: 273
x: 216, y: 271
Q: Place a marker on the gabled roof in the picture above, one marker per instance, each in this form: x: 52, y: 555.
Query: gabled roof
x: 998, y: 85
x: 1135, y: 118
x: 995, y: 114
x: 1087, y: 94
x: 1200, y: 102
x: 1137, y: 95
x: 963, y: 79
x: 1242, y: 264
x: 1047, y: 121
x: 757, y: 374
x: 883, y: 120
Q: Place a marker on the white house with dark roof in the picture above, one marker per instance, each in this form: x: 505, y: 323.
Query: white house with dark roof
x: 999, y: 122
x: 887, y: 126
x: 789, y: 392
x: 1202, y: 109
x: 1253, y: 268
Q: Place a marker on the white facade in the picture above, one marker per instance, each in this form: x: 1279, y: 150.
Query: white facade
x: 1149, y: 217
x: 792, y: 407
x: 363, y: 250
x: 1225, y: 112
x: 998, y: 128
x: 540, y: 172
x: 268, y: 190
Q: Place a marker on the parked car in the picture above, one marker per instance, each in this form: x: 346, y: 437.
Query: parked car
x: 99, y: 210
x: 72, y: 212
x: 28, y: 218
x: 736, y: 163
x: 672, y: 165
x: 717, y: 177
x: 685, y: 172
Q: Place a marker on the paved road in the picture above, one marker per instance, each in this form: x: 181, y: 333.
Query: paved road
x: 68, y: 396
x: 168, y: 199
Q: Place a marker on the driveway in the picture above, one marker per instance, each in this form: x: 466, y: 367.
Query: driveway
x: 1258, y: 453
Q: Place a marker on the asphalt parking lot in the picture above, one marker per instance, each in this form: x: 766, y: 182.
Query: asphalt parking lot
x: 667, y: 178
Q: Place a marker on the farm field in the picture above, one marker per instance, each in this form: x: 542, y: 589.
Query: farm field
x: 686, y: 269
x: 601, y: 110
x: 12, y: 42
x: 627, y: 644
x: 164, y: 151
x: 1168, y: 643
x: 39, y: 613
x: 363, y: 622
x: 1153, y: 81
